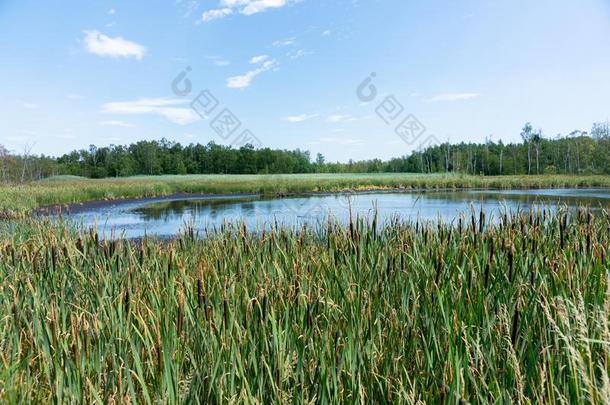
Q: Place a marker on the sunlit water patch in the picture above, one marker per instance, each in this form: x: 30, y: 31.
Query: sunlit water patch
x: 167, y: 217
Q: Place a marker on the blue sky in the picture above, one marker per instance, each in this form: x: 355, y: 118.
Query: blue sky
x: 76, y: 73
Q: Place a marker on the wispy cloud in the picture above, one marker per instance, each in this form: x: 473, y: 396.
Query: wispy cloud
x: 218, y: 61
x: 112, y: 11
x: 215, y: 14
x: 169, y: 108
x: 244, y: 7
x: 454, y: 97
x: 336, y: 118
x: 188, y: 6
x: 298, y: 54
x: 118, y: 47
x: 300, y: 117
x: 243, y: 81
x: 114, y: 123
x: 284, y: 42
x: 29, y: 106
x: 258, y: 59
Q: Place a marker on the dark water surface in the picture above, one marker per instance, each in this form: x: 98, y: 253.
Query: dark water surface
x: 167, y: 217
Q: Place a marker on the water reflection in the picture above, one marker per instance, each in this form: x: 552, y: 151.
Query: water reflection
x: 168, y: 217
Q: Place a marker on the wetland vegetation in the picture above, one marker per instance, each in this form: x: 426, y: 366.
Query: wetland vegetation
x: 514, y: 310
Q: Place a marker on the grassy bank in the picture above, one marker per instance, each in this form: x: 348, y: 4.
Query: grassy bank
x: 18, y: 200
x: 512, y: 312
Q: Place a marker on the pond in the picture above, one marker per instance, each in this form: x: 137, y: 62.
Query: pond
x: 168, y: 216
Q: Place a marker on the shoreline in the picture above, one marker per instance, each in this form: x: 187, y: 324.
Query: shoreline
x: 19, y: 201
x: 75, y: 208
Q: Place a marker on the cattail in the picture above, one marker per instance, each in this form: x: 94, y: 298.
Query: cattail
x: 225, y: 307
x: 54, y: 257
x: 199, y: 293
x: 561, y: 232
x: 374, y: 225
x: 486, y: 274
x: 473, y: 222
x: 126, y: 301
x: 309, y: 317
x: 180, y: 314
x: 437, y: 265
x: 86, y: 337
x: 159, y: 352
x: 511, y: 254
x: 470, y: 276
x: 170, y: 261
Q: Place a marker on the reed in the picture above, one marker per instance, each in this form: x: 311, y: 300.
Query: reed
x: 511, y: 309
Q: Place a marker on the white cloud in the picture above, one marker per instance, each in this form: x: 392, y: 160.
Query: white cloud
x: 117, y: 124
x: 30, y: 106
x: 257, y: 6
x: 326, y: 33
x: 103, y: 45
x: 188, y: 6
x: 243, y: 81
x: 215, y: 14
x: 244, y: 7
x: 340, y: 118
x: 169, y: 108
x: 454, y: 97
x: 299, y: 118
x: 112, y: 11
x: 258, y: 59
x: 285, y: 42
x: 298, y: 54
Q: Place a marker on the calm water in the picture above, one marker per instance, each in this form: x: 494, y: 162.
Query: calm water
x: 167, y: 217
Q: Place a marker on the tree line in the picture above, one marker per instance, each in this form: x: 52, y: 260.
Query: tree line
x: 578, y: 152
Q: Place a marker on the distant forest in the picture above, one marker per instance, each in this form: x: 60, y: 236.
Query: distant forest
x: 579, y: 152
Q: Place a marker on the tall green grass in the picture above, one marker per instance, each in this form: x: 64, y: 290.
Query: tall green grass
x: 512, y: 310
x: 19, y: 200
